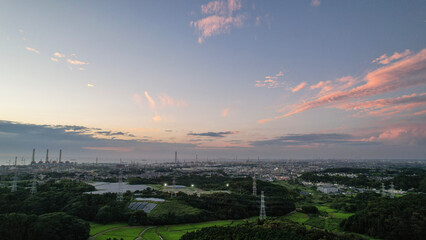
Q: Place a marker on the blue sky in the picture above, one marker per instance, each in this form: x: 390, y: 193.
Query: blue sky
x: 170, y: 72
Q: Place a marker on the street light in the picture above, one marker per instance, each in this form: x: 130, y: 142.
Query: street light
x: 227, y: 184
x: 165, y: 184
x: 192, y: 185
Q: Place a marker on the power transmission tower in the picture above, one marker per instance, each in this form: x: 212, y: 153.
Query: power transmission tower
x: 254, y: 186
x: 262, y: 207
x: 34, y: 185
x: 15, y: 181
x: 392, y: 190
x: 120, y: 190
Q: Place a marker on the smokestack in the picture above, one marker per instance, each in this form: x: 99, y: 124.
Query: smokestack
x: 60, y: 155
x: 16, y: 160
x: 33, y: 158
x: 176, y: 157
x: 47, y: 156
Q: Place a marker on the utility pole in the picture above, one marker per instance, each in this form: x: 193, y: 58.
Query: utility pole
x: 262, y: 207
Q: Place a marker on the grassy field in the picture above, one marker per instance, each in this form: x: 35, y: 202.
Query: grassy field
x: 297, y: 217
x: 175, y: 232
x: 96, y: 228
x: 328, y: 218
x: 151, y: 234
x: 176, y: 208
x: 122, y: 233
x: 168, y: 232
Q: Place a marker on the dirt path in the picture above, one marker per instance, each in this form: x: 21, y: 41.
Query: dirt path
x: 140, y: 234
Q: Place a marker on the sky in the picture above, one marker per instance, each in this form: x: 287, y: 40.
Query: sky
x: 297, y: 79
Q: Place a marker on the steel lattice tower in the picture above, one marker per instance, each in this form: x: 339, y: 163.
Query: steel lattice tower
x: 15, y: 182
x: 392, y: 190
x: 254, y: 186
x: 262, y: 207
x: 34, y: 185
x: 120, y: 190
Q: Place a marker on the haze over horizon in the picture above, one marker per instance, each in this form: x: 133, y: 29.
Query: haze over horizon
x: 301, y: 79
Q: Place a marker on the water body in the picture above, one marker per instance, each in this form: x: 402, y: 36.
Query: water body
x: 150, y: 199
x: 106, y: 187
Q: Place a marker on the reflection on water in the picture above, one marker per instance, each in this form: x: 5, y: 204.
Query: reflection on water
x: 106, y: 187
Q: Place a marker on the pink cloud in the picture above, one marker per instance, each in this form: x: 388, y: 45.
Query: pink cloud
x: 220, y: 22
x: 157, y: 118
x: 76, y: 62
x: 59, y: 55
x: 411, y: 134
x: 215, y: 25
x: 214, y: 7
x: 32, y: 50
x: 150, y: 100
x: 225, y: 112
x: 384, y: 59
x: 54, y: 59
x: 406, y: 73
x: 404, y: 103
x: 420, y: 112
x: 168, y: 101
x: 299, y: 87
x: 271, y: 81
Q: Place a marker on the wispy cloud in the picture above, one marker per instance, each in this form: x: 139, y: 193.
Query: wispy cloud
x: 225, y: 112
x: 315, y: 3
x: 167, y: 101
x: 54, y: 59
x: 90, y: 85
x: 213, y: 134
x: 157, y: 118
x: 405, y: 73
x: 385, y: 59
x: 150, y: 100
x: 389, y: 106
x: 273, y: 81
x: 76, y: 62
x: 299, y: 87
x: 221, y: 21
x: 58, y: 55
x: 32, y: 49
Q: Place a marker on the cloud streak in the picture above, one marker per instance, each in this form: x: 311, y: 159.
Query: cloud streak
x: 76, y: 62
x: 299, y: 87
x: 150, y: 100
x: 213, y: 134
x: 405, y: 73
x: 32, y: 50
x: 385, y: 59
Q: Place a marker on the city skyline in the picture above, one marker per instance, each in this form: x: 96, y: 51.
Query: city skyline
x: 279, y: 79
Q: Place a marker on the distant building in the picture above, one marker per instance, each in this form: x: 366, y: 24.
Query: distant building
x: 328, y: 189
